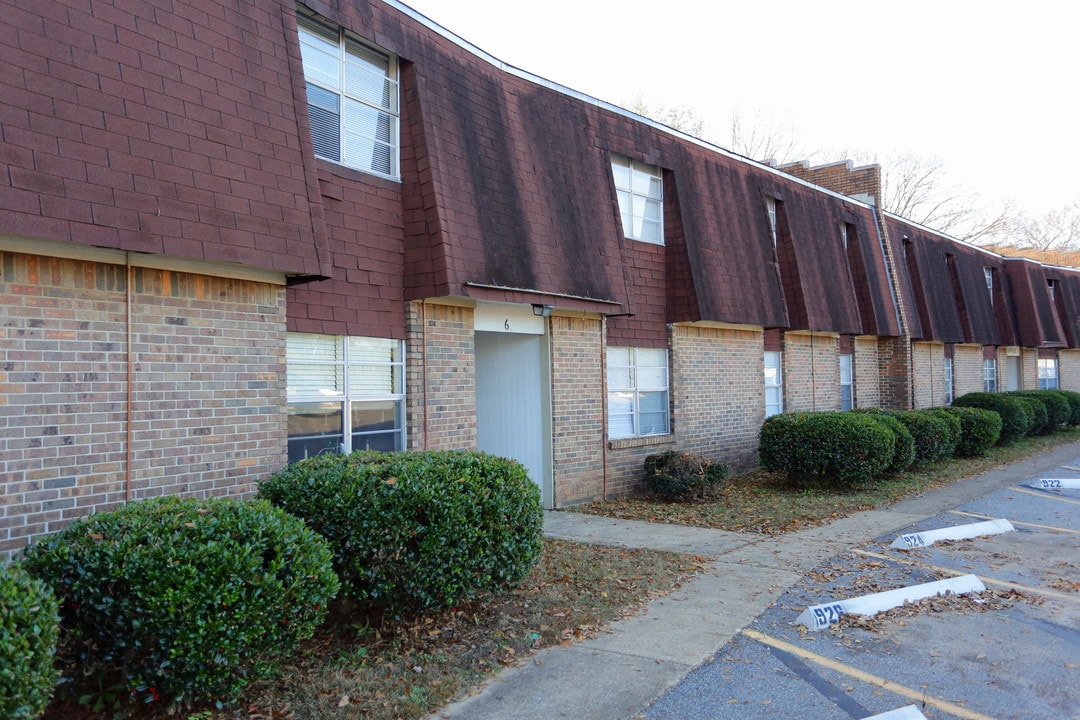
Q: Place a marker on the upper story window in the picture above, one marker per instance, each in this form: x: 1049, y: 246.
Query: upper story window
x: 988, y: 273
x: 948, y: 380
x: 352, y: 93
x: 637, y: 392
x: 770, y: 210
x: 640, y: 189
x: 1048, y: 373
x: 1051, y: 287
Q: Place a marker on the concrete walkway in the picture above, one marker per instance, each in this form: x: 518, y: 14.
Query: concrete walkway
x: 617, y: 674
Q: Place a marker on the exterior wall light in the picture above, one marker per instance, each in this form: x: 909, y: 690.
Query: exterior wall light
x: 542, y: 310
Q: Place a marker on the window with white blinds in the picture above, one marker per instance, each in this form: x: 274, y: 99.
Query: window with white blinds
x: 637, y: 392
x: 344, y: 394
x: 774, y: 383
x: 640, y: 191
x: 352, y: 98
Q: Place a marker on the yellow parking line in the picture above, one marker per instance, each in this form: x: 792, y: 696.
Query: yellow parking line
x: 1036, y: 493
x: 1016, y: 522
x: 986, y: 580
x: 853, y: 672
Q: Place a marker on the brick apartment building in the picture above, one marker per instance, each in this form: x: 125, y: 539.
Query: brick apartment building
x: 235, y: 233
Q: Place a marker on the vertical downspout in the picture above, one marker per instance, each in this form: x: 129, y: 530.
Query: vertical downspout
x: 130, y: 377
x: 423, y: 365
x: 603, y: 398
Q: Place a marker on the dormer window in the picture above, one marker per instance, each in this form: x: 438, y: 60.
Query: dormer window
x: 770, y: 210
x: 640, y: 189
x: 1051, y: 287
x: 352, y: 91
x: 988, y: 273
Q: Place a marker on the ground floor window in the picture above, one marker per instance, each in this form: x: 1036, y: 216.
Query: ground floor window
x: 637, y: 392
x: 774, y: 384
x: 948, y: 381
x: 990, y: 375
x: 344, y: 394
x: 1048, y: 373
x: 847, y: 383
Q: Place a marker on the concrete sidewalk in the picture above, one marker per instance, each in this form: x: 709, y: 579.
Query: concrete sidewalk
x: 617, y: 674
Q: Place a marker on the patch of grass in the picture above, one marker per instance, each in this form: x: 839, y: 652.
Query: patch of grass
x: 385, y: 668
x: 770, y: 503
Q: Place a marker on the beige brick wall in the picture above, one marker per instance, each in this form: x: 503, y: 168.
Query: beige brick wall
x: 928, y: 365
x: 1030, y: 368
x: 811, y: 372
x: 1069, y: 370
x: 967, y: 369
x: 894, y: 361
x: 577, y: 409
x: 867, y: 373
x: 207, y: 398
x: 441, y: 376
x: 718, y: 393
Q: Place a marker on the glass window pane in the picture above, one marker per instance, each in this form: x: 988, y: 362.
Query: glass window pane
x: 320, y: 55
x: 650, y: 378
x: 653, y: 423
x: 314, y: 429
x: 620, y: 170
x: 652, y: 210
x: 652, y: 232
x: 620, y: 426
x: 301, y: 347
x: 652, y: 402
x: 652, y: 357
x: 620, y: 403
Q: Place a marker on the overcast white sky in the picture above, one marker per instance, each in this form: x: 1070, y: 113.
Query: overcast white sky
x: 991, y: 88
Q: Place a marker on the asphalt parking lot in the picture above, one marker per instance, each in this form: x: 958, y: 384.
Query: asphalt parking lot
x: 1011, y: 651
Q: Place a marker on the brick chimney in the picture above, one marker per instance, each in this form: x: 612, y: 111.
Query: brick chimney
x: 862, y: 183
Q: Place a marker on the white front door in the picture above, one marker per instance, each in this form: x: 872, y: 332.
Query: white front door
x: 1012, y: 382
x: 511, y: 402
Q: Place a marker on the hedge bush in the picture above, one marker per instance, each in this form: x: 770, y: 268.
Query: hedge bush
x: 849, y: 447
x: 1073, y: 398
x: 183, y: 598
x: 932, y: 434
x: 953, y: 429
x: 29, y: 627
x: 1040, y: 418
x: 417, y: 530
x: 904, y: 448
x: 1058, y: 410
x: 674, y: 475
x: 1017, y: 417
x: 979, y: 430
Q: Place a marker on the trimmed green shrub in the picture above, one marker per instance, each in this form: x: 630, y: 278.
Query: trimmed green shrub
x: 1058, y: 410
x: 932, y: 435
x: 979, y: 430
x: 177, y: 598
x: 845, y: 446
x: 417, y: 530
x: 1017, y: 417
x: 904, y: 447
x: 1073, y: 399
x: 29, y: 627
x: 1040, y: 419
x: 674, y: 475
x: 952, y: 427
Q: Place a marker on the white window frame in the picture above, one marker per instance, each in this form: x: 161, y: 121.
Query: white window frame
x: 774, y: 382
x: 770, y: 211
x: 988, y: 274
x: 366, y: 104
x: 1048, y: 373
x: 847, y: 381
x: 990, y: 375
x: 629, y: 370
x: 333, y: 376
x: 640, y: 191
x: 948, y: 365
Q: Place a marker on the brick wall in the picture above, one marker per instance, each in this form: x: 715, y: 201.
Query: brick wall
x: 967, y: 369
x: 1069, y: 370
x: 577, y: 409
x: 441, y: 375
x: 894, y: 361
x: 928, y: 373
x: 718, y: 393
x: 811, y: 372
x: 207, y: 399
x: 867, y: 373
x: 1029, y: 369
x: 842, y: 177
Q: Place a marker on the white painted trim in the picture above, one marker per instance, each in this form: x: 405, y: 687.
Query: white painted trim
x: 507, y: 318
x: 910, y: 541
x: 818, y: 617
x: 87, y: 253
